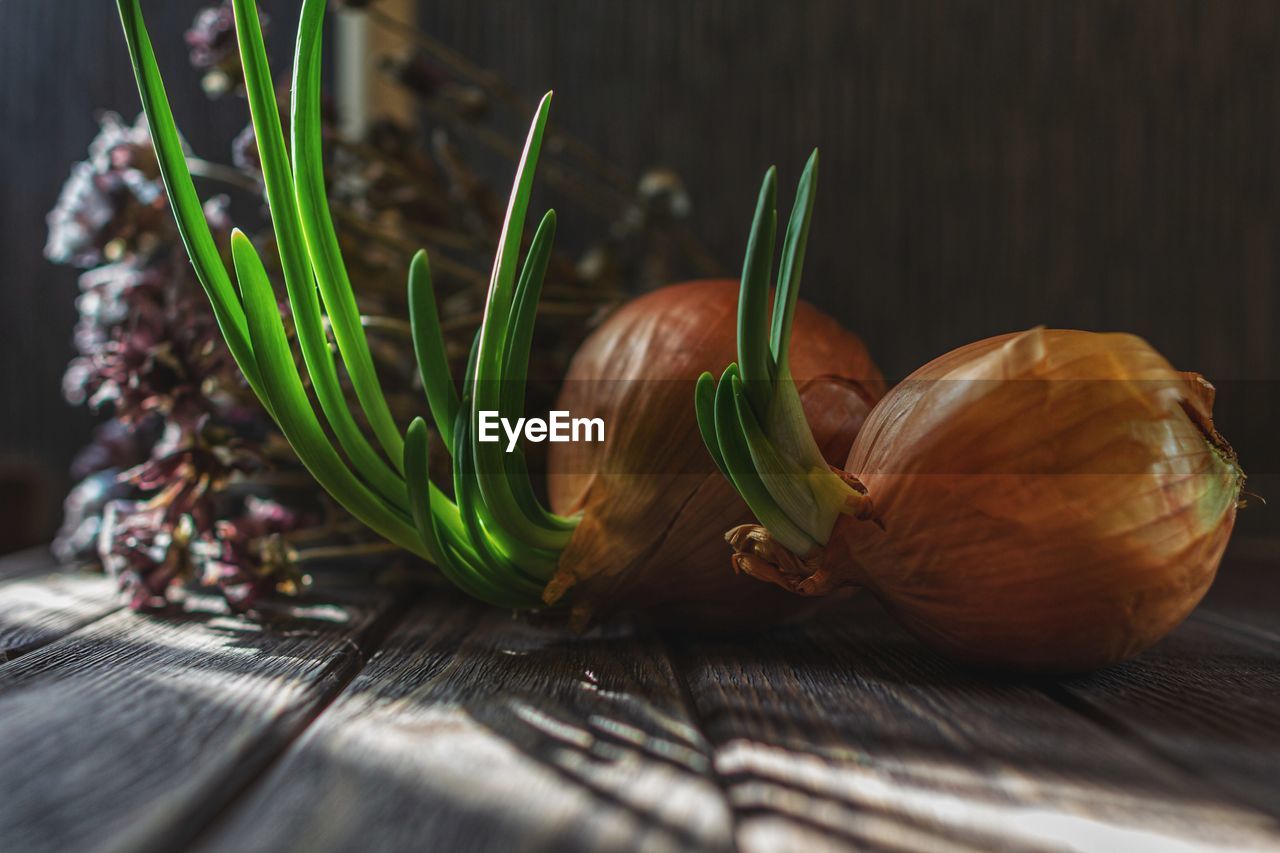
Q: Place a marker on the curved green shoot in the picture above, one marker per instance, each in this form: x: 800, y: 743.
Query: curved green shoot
x: 754, y: 359
x: 504, y: 565
x: 454, y: 561
x: 515, y: 360
x: 753, y: 422
x: 317, y: 225
x: 704, y: 404
x: 793, y: 249
x: 743, y: 474
x: 493, y: 538
x: 298, y: 274
x: 532, y: 559
x: 293, y: 410
x: 539, y: 529
x: 429, y: 348
x: 188, y: 212
x: 519, y: 343
x: 786, y: 479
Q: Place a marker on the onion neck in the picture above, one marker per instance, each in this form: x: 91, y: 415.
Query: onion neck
x: 757, y: 554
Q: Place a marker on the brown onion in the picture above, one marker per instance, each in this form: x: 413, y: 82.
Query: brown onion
x: 1051, y: 500
x: 653, y: 507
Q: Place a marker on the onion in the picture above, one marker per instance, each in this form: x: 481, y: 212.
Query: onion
x: 1051, y: 500
x: 651, y: 511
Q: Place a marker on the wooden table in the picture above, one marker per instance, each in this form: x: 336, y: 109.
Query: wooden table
x: 400, y: 720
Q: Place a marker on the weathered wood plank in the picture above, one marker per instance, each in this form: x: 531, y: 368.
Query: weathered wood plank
x: 469, y: 730
x: 37, y: 611
x: 25, y: 563
x: 853, y: 735
x: 39, y: 603
x: 132, y: 732
x: 1207, y: 698
x: 1246, y: 592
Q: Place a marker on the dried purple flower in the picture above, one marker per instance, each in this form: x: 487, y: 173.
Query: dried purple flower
x: 244, y: 151
x: 246, y: 556
x: 190, y: 460
x: 117, y: 445
x: 113, y: 203
x: 78, y: 537
x: 147, y: 342
x: 212, y: 48
x: 147, y: 544
x: 146, y: 552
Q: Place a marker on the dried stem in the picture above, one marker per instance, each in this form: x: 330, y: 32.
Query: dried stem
x: 335, y: 552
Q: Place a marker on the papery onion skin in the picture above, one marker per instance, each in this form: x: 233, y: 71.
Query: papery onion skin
x: 652, y: 542
x: 1060, y: 519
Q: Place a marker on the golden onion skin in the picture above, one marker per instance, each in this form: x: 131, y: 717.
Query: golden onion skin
x: 1052, y: 500
x: 653, y: 541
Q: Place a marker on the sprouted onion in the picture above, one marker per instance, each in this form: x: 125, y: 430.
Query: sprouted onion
x: 653, y: 509
x: 1050, y: 500
x: 493, y: 538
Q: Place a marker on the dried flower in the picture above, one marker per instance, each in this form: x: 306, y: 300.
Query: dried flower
x: 78, y: 537
x: 118, y: 445
x: 212, y: 48
x: 144, y: 551
x: 113, y: 203
x: 246, y: 556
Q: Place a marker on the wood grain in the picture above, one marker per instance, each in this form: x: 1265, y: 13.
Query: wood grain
x: 1246, y: 593
x: 470, y: 730
x: 855, y: 735
x: 21, y: 564
x: 37, y: 611
x: 131, y: 733
x: 473, y: 731
x: 39, y: 603
x: 1207, y: 698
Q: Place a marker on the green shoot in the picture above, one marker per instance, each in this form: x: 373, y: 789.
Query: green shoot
x: 429, y: 348
x: 537, y: 528
x: 753, y: 422
x: 192, y: 226
x: 293, y: 410
x: 317, y: 223
x: 299, y: 275
x: 493, y: 538
x: 743, y: 474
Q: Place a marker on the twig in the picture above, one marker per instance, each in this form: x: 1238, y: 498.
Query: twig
x: 334, y: 552
x: 224, y: 174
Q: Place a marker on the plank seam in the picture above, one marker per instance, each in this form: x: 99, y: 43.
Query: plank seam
x: 352, y: 656
x: 13, y: 653
x: 713, y: 771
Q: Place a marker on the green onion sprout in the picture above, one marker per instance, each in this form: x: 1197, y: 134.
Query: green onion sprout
x: 493, y: 538
x: 752, y: 421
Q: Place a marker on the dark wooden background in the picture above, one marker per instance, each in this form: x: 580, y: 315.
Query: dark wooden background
x: 986, y: 166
